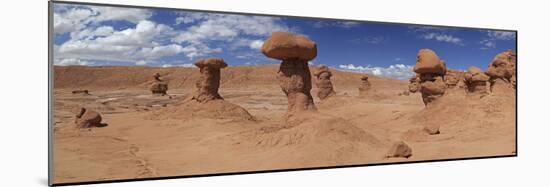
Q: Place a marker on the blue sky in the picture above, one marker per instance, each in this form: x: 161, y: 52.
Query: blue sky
x: 94, y: 35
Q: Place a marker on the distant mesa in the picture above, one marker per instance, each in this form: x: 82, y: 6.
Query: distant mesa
x: 324, y: 85
x: 294, y: 76
x: 159, y: 87
x: 86, y: 118
x: 431, y: 70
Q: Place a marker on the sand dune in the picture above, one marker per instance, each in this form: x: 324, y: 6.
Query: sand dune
x: 149, y: 136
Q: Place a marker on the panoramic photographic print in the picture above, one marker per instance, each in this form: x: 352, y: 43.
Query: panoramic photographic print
x: 152, y: 92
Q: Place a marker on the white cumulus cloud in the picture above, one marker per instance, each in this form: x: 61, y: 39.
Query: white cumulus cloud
x: 256, y: 44
x: 442, y: 38
x: 71, y: 61
x: 396, y: 71
x: 490, y: 41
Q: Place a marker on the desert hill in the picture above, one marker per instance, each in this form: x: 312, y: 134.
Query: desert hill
x: 138, y: 77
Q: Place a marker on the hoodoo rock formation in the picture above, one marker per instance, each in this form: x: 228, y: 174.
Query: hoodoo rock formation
x: 294, y: 76
x: 431, y: 70
x: 86, y: 118
x: 209, y: 81
x: 501, y: 71
x: 206, y: 102
x: 365, y: 85
x: 476, y: 81
x: 159, y: 87
x: 324, y: 85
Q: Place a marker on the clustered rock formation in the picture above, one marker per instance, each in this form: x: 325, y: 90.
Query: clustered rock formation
x: 324, y: 85
x: 86, y: 118
x: 365, y: 85
x: 159, y: 87
x: 502, y: 71
x: 431, y: 70
x: 476, y: 81
x: 294, y: 76
x: 209, y: 81
x: 453, y: 79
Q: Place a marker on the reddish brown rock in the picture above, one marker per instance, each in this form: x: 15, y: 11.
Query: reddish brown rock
x: 476, y: 81
x: 288, y: 46
x: 453, y: 78
x: 365, y: 85
x: 432, y: 89
x: 503, y: 65
x: 324, y: 85
x: 414, y: 84
x: 294, y: 75
x: 431, y: 70
x: 87, y: 118
x: 159, y: 87
x: 209, y: 81
x: 399, y: 149
x: 83, y: 92
x: 427, y: 61
x: 501, y: 71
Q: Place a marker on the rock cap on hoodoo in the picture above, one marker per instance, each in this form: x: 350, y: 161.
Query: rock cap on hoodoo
x: 365, y: 77
x: 321, y: 69
x: 475, y: 74
x: 502, y: 65
x: 284, y: 45
x: 211, y: 62
x: 427, y: 61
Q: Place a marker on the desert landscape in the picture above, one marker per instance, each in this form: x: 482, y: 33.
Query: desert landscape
x: 125, y: 122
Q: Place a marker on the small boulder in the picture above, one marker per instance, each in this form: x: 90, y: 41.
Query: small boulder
x: 399, y: 149
x: 87, y: 118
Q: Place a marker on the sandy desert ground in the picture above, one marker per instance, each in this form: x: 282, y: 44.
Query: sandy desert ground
x: 153, y: 136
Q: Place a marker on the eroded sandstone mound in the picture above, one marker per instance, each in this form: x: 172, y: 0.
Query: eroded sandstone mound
x: 86, y: 118
x: 209, y: 82
x: 502, y: 71
x: 476, y: 81
x: 206, y: 102
x: 159, y: 86
x: 365, y: 85
x: 431, y: 70
x: 294, y: 76
x: 454, y: 79
x: 324, y: 85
